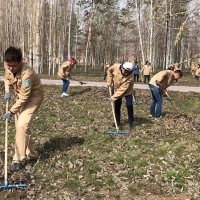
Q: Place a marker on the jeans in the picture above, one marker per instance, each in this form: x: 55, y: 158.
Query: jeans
x: 129, y: 105
x: 157, y: 101
x: 146, y: 77
x: 65, y: 85
x: 197, y: 78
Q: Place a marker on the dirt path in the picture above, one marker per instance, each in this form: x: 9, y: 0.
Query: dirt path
x: 103, y: 84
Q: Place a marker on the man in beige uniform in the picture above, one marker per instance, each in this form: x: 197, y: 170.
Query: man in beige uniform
x: 147, y: 71
x: 123, y: 87
x: 105, y: 71
x: 197, y: 72
x: 29, y: 96
x: 192, y: 71
x: 65, y: 74
x: 158, y: 85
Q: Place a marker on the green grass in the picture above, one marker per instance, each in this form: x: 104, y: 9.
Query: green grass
x: 79, y: 160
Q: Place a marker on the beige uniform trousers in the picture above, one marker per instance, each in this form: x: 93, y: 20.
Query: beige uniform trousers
x: 24, y: 145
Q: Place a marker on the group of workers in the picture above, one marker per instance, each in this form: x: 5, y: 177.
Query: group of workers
x: 195, y: 71
x: 29, y: 95
x: 122, y: 76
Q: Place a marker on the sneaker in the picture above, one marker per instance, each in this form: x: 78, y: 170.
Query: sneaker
x: 158, y: 118
x: 151, y: 115
x: 15, y: 167
x: 64, y: 94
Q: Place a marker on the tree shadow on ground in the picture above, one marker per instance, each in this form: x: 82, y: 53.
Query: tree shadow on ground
x: 81, y: 92
x: 58, y: 144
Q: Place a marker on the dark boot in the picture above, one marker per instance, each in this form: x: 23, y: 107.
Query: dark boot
x: 132, y: 128
x: 15, y: 167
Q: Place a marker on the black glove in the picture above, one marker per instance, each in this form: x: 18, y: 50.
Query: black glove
x: 8, y: 116
x: 7, y: 96
x: 157, y: 83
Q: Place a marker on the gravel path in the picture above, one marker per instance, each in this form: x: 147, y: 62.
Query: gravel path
x: 103, y: 84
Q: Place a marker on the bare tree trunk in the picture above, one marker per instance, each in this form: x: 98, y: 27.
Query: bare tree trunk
x: 151, y: 34
x: 138, y: 19
x: 43, y: 36
x: 89, y: 39
x: 61, y: 32
x: 168, y: 57
x: 22, y: 26
x: 54, y: 36
x: 165, y: 40
x: 36, y: 58
x: 76, y: 46
x: 69, y: 33
x: 50, y: 34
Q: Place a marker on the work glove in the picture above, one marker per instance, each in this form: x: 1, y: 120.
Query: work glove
x: 157, y: 83
x: 8, y: 116
x: 111, y: 100
x: 168, y: 97
x: 7, y: 96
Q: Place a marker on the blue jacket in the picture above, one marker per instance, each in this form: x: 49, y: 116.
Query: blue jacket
x: 136, y: 69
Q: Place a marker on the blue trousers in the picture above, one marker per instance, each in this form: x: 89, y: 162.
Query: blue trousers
x: 65, y: 85
x: 129, y: 105
x: 157, y: 101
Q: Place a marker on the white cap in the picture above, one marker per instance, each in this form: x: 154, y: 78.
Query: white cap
x: 128, y: 66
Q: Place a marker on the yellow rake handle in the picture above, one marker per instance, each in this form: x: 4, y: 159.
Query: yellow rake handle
x: 113, y: 110
x: 6, y: 143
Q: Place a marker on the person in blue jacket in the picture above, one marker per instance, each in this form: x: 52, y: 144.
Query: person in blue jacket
x: 136, y: 70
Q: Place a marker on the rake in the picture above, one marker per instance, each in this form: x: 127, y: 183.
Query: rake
x: 78, y: 81
x: 117, y: 129
x: 183, y: 114
x: 6, y: 186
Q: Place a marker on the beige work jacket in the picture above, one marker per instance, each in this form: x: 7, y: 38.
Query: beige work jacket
x: 197, y: 72
x: 165, y: 78
x: 123, y: 85
x: 65, y: 70
x: 147, y: 69
x: 106, y: 68
x: 27, y: 87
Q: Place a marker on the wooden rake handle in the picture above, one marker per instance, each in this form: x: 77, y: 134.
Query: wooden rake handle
x: 160, y: 86
x: 113, y: 110
x: 6, y: 143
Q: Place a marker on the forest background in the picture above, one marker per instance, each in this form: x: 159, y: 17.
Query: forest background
x: 99, y: 32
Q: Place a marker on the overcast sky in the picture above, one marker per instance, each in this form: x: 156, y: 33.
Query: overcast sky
x: 122, y: 3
